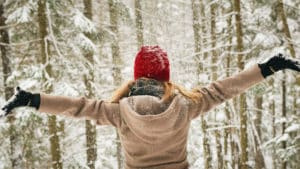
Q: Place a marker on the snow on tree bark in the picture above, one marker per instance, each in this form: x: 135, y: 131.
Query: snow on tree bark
x: 139, y: 23
x: 8, y: 90
x: 259, y: 158
x: 242, y: 100
x: 45, y: 52
x: 117, y: 61
x: 90, y: 129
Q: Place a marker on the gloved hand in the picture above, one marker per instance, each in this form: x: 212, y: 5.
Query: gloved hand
x: 276, y: 63
x: 22, y: 98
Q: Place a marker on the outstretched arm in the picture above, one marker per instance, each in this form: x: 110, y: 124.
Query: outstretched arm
x: 104, y: 113
x: 221, y: 90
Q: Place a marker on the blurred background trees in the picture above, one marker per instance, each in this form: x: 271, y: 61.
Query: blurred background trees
x: 87, y: 48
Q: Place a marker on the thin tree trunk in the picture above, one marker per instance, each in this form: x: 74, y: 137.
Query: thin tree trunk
x: 273, y: 134
x: 242, y: 100
x: 90, y: 129
x: 45, y: 51
x: 139, y: 23
x: 213, y: 8
x: 286, y: 28
x: 291, y: 48
x: 152, y: 25
x: 284, y: 143
x: 197, y: 38
x: 203, y: 27
x: 117, y: 61
x: 272, y: 109
x: 214, y: 58
x: 259, y: 158
x: 8, y: 91
x: 54, y: 143
x: 206, y: 148
x: 228, y: 134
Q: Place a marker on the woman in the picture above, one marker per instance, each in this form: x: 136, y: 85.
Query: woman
x: 151, y: 114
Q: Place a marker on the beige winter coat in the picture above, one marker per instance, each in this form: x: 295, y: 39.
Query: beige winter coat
x: 153, y: 135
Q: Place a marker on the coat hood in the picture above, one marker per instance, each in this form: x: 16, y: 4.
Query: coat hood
x: 150, y: 119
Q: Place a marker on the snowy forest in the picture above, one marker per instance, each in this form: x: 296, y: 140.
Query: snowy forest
x: 87, y: 48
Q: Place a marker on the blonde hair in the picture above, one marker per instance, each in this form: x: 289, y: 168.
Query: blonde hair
x: 169, y: 88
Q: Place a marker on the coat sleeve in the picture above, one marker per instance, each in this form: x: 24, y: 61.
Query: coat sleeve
x: 221, y: 90
x: 105, y: 113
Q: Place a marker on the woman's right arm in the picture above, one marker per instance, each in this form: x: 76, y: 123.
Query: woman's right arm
x: 104, y: 113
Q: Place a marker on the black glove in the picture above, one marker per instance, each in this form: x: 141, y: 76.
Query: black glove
x: 22, y: 98
x: 276, y: 63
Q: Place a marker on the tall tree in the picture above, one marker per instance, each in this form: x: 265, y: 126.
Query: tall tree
x: 214, y: 57
x: 206, y: 148
x: 139, y: 22
x: 45, y: 52
x: 286, y: 31
x: 213, y: 8
x: 203, y: 27
x: 259, y: 158
x: 242, y: 99
x: 228, y: 141
x: 196, y: 29
x: 117, y: 61
x: 8, y: 90
x: 284, y: 112
x: 273, y: 113
x: 90, y: 129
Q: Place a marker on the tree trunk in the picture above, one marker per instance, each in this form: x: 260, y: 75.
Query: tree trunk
x: 259, y: 158
x: 45, y: 51
x: 152, y: 25
x: 206, y: 148
x: 272, y: 107
x: 284, y: 143
x: 242, y: 100
x: 228, y: 134
x: 90, y: 129
x: 286, y: 29
x: 213, y: 8
x: 214, y: 58
x: 203, y: 27
x: 197, y: 38
x: 139, y: 23
x: 117, y: 61
x: 8, y: 90
x: 291, y: 48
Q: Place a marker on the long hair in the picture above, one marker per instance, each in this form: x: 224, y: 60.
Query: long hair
x: 170, y: 90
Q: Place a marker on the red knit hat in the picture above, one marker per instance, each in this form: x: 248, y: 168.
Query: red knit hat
x: 152, y: 62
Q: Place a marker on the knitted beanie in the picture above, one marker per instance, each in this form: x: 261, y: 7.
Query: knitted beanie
x: 152, y: 62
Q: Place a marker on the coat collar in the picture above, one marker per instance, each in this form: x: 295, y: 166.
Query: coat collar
x: 145, y: 86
